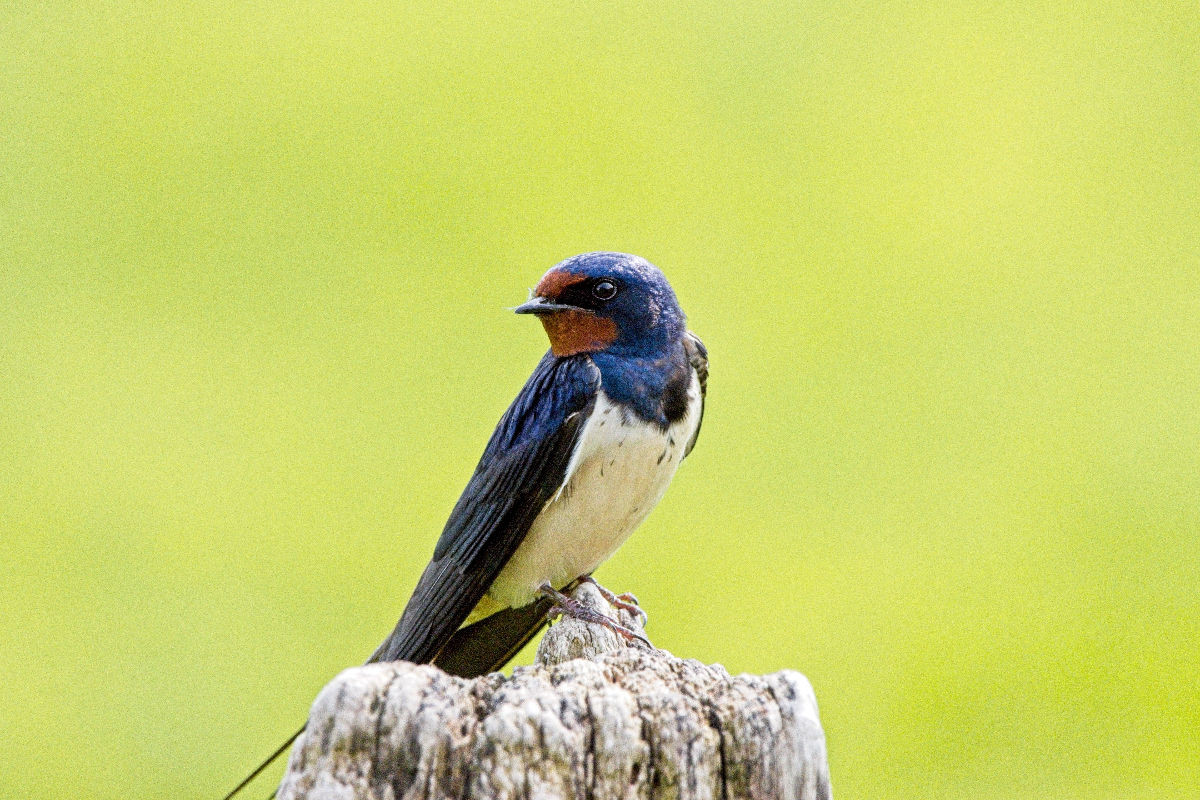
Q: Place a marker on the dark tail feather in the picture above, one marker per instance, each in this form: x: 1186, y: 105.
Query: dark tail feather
x: 270, y: 759
x: 477, y: 649
x: 488, y: 644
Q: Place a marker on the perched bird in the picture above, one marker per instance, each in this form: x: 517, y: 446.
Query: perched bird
x: 576, y: 463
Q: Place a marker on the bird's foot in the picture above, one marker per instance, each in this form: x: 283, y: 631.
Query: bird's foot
x: 564, y: 605
x: 626, y: 601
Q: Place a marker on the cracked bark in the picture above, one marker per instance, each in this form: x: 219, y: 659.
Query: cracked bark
x: 593, y: 719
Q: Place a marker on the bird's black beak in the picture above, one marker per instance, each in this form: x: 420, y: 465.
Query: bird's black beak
x: 540, y: 305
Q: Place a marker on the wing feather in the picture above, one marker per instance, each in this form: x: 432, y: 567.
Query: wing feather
x: 697, y: 355
x: 522, y: 467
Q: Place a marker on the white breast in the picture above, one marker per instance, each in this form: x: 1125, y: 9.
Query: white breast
x: 619, y: 471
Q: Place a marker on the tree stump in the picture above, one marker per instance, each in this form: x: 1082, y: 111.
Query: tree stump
x: 593, y: 719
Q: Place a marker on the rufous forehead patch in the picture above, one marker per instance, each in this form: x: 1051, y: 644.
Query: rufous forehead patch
x: 554, y: 281
x: 572, y: 332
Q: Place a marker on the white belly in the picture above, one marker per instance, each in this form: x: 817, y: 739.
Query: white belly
x: 619, y: 471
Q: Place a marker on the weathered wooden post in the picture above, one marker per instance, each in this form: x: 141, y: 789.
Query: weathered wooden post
x: 593, y: 719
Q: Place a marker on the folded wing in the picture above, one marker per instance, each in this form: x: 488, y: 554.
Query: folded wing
x: 522, y: 467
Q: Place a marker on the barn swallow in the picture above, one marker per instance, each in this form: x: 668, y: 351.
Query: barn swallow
x: 583, y: 454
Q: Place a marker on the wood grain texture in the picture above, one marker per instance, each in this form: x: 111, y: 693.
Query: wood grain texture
x: 593, y: 719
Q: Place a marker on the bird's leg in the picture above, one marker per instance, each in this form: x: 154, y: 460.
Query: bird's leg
x: 624, y: 601
x: 566, y: 605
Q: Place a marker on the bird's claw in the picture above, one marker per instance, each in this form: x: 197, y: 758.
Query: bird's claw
x: 626, y: 601
x: 565, y: 605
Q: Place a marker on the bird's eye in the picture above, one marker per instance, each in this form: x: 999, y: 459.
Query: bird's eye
x: 604, y: 290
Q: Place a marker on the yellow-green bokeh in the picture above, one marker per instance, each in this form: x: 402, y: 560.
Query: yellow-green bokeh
x: 255, y: 260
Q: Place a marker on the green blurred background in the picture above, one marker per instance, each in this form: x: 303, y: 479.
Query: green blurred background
x: 255, y: 261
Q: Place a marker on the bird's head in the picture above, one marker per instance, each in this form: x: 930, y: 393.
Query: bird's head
x: 606, y: 301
